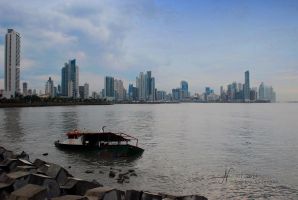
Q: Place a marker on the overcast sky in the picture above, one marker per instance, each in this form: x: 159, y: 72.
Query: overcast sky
x: 207, y: 43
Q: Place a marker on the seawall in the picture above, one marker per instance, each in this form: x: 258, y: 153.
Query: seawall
x: 23, y: 179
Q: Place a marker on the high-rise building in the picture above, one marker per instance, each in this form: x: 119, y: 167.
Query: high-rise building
x: 12, y: 63
x: 81, y: 92
x: 70, y: 79
x: 120, y: 92
x: 184, y: 89
x: 109, y: 88
x: 25, y: 89
x: 176, y: 94
x: 86, y: 91
x: 132, y: 92
x: 161, y: 95
x: 146, y: 87
x: 49, y: 89
x: 266, y: 93
x: 246, y: 87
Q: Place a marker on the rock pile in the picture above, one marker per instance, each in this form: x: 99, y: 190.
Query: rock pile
x: 39, y: 180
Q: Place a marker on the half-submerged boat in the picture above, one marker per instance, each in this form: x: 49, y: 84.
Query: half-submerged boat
x: 119, y: 144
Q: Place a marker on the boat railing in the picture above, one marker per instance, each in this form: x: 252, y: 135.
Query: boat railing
x: 129, y: 137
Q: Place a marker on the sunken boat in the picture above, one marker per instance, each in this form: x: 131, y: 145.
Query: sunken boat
x: 107, y: 143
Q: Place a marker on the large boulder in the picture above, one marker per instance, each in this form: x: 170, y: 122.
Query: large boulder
x: 29, y: 192
x: 150, y: 196
x: 98, y: 192
x: 75, y: 186
x: 19, y: 179
x: 51, y: 185
x: 133, y: 195
x: 192, y: 197
x: 70, y: 197
x: 58, y: 173
x: 5, y: 154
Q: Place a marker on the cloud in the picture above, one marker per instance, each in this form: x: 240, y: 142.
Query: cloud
x: 174, y: 40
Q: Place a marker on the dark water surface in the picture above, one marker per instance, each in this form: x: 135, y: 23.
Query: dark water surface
x: 188, y: 147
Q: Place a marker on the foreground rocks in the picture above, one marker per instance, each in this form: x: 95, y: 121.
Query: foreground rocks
x: 21, y: 179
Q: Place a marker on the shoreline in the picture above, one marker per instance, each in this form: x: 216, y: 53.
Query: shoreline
x: 50, y: 104
x: 21, y: 178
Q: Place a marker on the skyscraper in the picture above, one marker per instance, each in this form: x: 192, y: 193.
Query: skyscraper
x: 120, y: 92
x: 184, y: 89
x: 109, y: 88
x: 146, y: 87
x: 12, y: 63
x: 86, y: 91
x: 246, y: 88
x: 70, y: 79
x: 49, y: 89
x: 25, y: 89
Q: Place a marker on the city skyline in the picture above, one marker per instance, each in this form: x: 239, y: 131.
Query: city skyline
x: 258, y: 39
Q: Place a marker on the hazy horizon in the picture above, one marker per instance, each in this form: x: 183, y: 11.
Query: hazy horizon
x: 207, y: 43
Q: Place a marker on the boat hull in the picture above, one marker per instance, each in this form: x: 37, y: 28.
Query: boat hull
x: 115, y: 151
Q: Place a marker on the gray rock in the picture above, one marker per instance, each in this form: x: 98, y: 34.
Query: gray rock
x: 150, y: 196
x: 133, y: 195
x: 58, y: 173
x: 29, y: 192
x: 43, y: 169
x: 70, y: 197
x: 20, y: 179
x: 98, y: 192
x: 30, y: 169
x: 38, y: 162
x: 192, y: 197
x: 74, y: 186
x: 23, y: 155
x: 45, y: 154
x: 49, y: 183
x: 112, y: 174
x: 114, y: 195
x: 89, y: 171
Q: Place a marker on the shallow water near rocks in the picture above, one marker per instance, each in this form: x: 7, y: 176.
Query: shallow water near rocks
x: 189, y: 148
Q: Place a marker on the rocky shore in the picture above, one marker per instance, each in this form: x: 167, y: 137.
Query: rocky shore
x: 21, y: 179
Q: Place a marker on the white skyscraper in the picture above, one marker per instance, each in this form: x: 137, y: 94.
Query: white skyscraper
x: 12, y: 63
x: 49, y: 89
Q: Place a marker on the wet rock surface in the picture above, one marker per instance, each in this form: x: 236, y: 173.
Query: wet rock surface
x: 25, y: 180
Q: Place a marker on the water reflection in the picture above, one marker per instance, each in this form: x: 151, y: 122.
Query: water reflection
x: 70, y: 120
x: 13, y: 129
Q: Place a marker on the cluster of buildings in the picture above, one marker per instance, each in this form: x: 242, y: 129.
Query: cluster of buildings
x: 114, y: 90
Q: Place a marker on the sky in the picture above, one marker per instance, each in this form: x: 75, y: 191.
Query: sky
x: 207, y: 43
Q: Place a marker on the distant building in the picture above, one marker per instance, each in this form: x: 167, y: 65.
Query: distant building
x: 253, y: 94
x: 49, y: 89
x: 146, y: 86
x: 176, y: 94
x: 70, y: 79
x: 86, y: 91
x: 109, y: 88
x: 132, y: 93
x: 161, y: 95
x: 266, y: 93
x: 246, y: 87
x: 184, y: 90
x: 12, y: 64
x: 120, y: 92
x: 25, y: 89
x: 81, y: 92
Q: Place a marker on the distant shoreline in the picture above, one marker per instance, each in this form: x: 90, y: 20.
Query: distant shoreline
x: 50, y: 104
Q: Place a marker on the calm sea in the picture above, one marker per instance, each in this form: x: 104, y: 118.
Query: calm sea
x: 188, y: 147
